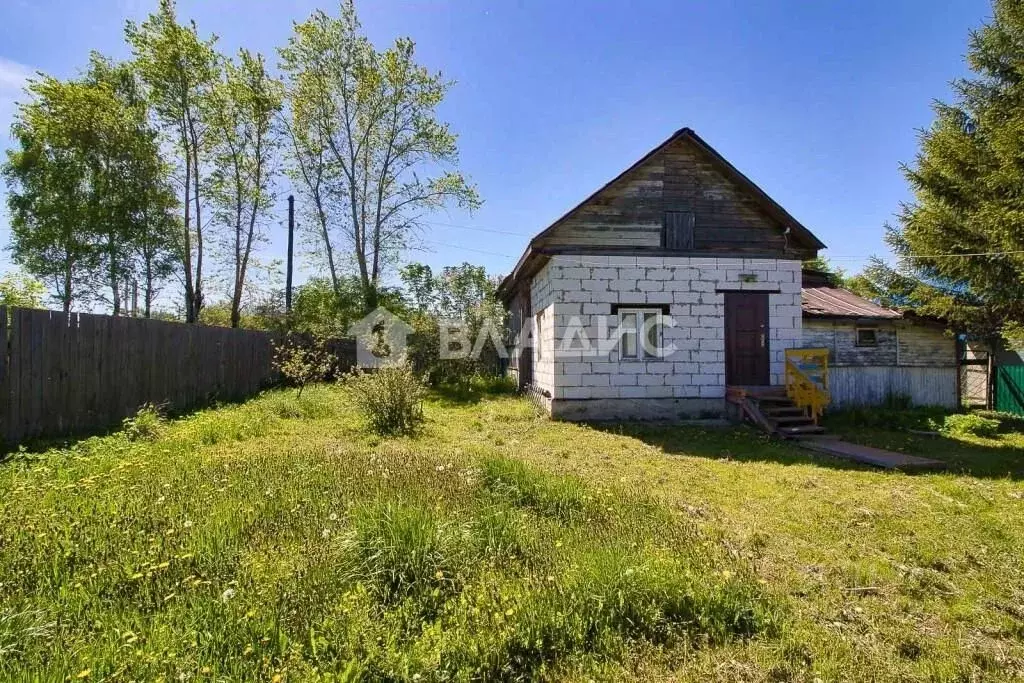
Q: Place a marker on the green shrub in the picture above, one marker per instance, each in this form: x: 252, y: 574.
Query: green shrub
x: 389, y: 398
x: 1008, y: 422
x: 970, y: 424
x: 147, y: 424
x: 302, y: 360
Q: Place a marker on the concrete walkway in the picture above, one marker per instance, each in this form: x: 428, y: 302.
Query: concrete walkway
x: 889, y: 460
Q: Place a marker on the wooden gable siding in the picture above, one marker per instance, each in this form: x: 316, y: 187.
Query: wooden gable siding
x: 680, y: 177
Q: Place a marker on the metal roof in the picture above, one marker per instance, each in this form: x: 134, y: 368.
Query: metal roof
x: 832, y: 302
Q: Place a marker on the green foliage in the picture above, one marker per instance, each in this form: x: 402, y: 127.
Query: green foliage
x: 179, y: 71
x: 368, y: 150
x: 243, y: 107
x: 564, y: 498
x: 966, y: 183
x: 320, y: 309
x: 823, y: 265
x: 970, y: 424
x: 404, y: 550
x: 303, y: 360
x: 88, y: 195
x: 390, y: 399
x: 252, y: 542
x: 462, y: 301
x: 21, y: 291
x: 147, y: 424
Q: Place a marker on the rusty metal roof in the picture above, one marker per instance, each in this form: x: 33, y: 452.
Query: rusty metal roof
x: 832, y: 302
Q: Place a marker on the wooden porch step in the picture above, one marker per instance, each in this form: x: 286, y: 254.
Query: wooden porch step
x: 782, y: 409
x: 791, y: 420
x: 773, y: 411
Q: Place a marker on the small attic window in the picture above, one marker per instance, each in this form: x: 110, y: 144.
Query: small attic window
x: 677, y: 231
x: 867, y: 336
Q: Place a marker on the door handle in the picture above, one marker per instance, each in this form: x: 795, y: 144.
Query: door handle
x: 762, y: 340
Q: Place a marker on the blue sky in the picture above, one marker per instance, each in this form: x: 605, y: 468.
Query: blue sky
x: 817, y: 102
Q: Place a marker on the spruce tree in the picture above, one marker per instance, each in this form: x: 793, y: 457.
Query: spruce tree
x: 968, y: 184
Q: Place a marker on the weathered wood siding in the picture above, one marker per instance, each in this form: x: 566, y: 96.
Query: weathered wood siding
x: 899, y: 343
x: 680, y: 177
x: 866, y: 386
x: 910, y: 359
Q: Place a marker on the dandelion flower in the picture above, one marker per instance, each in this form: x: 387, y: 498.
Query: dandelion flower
x: 227, y: 594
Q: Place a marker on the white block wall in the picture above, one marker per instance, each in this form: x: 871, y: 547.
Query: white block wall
x: 585, y: 287
x: 542, y: 298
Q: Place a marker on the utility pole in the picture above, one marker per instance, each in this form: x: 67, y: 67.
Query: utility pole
x: 291, y: 245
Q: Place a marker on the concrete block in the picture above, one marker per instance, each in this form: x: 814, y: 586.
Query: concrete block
x: 686, y: 297
x: 633, y: 392
x: 712, y: 391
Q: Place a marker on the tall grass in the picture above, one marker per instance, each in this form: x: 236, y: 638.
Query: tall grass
x: 271, y: 539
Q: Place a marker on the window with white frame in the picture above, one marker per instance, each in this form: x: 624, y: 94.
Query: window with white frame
x: 639, y: 333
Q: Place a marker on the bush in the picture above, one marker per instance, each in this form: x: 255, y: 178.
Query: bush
x: 1008, y: 422
x: 389, y: 398
x: 424, y: 354
x: 970, y: 424
x: 147, y: 424
x: 302, y: 361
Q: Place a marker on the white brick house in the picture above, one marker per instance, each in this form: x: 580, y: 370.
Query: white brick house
x: 676, y: 279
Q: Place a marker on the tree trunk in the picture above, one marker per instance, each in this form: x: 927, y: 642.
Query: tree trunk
x: 112, y: 273
x: 187, y: 250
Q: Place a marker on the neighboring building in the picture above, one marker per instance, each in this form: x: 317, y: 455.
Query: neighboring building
x: 680, y: 233
x: 878, y: 355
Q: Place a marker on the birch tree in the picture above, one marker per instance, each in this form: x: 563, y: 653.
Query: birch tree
x: 180, y: 70
x: 367, y: 145
x: 244, y: 109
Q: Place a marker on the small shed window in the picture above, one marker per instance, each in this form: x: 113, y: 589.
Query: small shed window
x: 640, y: 333
x: 677, y: 231
x: 867, y: 336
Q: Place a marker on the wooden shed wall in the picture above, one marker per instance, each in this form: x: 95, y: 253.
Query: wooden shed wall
x: 900, y: 343
x: 865, y: 386
x: 912, y: 360
x: 680, y: 177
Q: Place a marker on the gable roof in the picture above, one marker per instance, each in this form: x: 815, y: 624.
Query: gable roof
x: 766, y: 203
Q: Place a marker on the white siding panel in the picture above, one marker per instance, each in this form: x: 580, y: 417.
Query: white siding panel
x: 853, y: 386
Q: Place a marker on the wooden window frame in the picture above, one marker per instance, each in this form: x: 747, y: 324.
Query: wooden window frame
x: 642, y: 353
x: 873, y: 344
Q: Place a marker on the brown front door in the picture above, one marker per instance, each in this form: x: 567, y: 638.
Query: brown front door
x: 746, y: 339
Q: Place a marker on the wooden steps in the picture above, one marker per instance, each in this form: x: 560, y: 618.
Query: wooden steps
x: 773, y: 411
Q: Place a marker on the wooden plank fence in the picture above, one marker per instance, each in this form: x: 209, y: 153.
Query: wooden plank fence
x: 63, y: 374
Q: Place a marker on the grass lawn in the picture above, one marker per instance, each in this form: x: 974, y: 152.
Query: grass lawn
x: 277, y: 540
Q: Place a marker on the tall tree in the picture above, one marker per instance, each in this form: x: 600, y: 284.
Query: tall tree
x: 48, y: 203
x: 131, y: 190
x: 180, y: 70
x: 962, y: 238
x: 244, y: 108
x: 366, y: 135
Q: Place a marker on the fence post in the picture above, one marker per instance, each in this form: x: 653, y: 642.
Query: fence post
x: 5, y: 387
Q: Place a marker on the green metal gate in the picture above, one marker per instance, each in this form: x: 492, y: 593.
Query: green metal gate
x: 1010, y: 389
